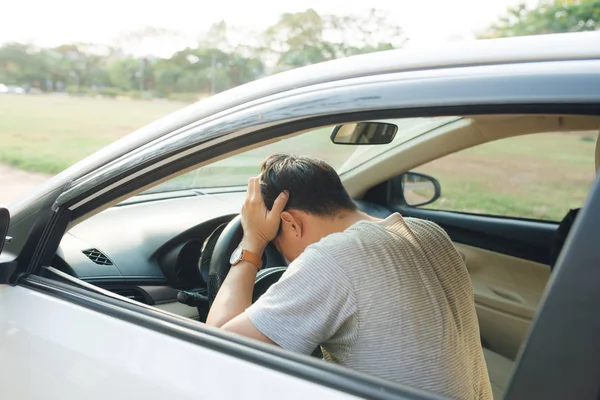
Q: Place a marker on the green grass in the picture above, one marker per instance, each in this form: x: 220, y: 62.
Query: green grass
x: 536, y: 176
x: 49, y: 133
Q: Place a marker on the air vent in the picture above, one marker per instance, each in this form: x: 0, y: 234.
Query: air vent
x: 97, y: 257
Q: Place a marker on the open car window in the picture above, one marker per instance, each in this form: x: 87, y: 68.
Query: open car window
x: 235, y: 170
x: 538, y: 176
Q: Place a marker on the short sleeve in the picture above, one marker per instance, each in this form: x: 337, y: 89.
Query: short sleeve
x: 310, y: 303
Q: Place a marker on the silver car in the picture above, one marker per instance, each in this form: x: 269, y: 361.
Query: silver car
x: 105, y: 271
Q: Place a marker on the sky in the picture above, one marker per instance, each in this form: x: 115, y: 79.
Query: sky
x: 55, y: 22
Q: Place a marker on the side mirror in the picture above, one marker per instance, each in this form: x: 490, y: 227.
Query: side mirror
x: 419, y: 189
x: 364, y: 133
x: 4, y: 222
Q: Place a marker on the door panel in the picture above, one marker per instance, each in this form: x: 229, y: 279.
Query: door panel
x: 506, y: 259
x: 529, y: 240
x: 52, y: 348
x: 507, y: 293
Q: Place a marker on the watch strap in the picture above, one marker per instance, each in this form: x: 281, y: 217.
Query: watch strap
x: 252, y: 258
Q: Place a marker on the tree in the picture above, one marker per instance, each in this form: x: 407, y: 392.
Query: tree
x: 134, y: 41
x: 27, y: 65
x: 212, y: 65
x: 83, y: 62
x: 123, y: 73
x: 228, y: 65
x: 306, y: 37
x: 19, y: 63
x: 550, y: 16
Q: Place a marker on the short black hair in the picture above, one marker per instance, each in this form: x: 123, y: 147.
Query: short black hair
x: 313, y: 185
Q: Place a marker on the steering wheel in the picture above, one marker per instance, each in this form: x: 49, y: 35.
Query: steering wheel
x: 219, y: 265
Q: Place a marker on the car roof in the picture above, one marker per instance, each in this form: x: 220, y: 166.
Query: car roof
x: 559, y: 47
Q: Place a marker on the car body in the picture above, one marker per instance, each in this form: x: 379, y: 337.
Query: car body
x: 15, y: 89
x: 89, y: 280
x: 11, y: 89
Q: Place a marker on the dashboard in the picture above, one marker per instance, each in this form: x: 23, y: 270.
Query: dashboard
x: 151, y: 246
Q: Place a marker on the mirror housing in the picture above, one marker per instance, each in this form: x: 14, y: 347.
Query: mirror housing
x: 8, y: 263
x: 419, y: 189
x: 4, y: 223
x: 361, y: 133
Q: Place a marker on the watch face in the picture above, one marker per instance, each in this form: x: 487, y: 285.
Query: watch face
x: 235, y: 256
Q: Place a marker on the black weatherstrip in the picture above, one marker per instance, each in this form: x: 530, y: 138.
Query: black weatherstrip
x: 316, y: 371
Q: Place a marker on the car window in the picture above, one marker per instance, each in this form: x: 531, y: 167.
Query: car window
x: 235, y: 170
x: 537, y: 176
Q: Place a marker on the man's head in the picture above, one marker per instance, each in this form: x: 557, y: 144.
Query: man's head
x: 317, y: 199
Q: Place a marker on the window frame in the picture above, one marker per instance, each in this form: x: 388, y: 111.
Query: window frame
x: 400, y: 201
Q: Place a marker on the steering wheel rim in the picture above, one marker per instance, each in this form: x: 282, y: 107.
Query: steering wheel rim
x: 219, y: 266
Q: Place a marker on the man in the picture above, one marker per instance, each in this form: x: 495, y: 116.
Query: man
x: 391, y: 297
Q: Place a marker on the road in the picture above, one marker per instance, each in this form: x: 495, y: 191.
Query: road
x: 15, y: 183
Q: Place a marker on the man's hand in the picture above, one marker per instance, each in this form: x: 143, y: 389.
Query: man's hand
x: 235, y: 296
x: 260, y: 225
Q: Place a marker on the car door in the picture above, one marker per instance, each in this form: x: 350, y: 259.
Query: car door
x: 60, y: 341
x: 68, y: 351
x: 69, y: 340
x: 501, y: 203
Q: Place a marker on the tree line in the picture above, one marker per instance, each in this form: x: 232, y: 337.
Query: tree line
x: 214, y: 64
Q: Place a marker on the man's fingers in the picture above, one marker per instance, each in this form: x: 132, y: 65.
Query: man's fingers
x: 279, y: 203
x: 252, y: 183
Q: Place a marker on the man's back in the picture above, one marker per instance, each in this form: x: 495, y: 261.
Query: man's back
x: 416, y: 314
x: 393, y: 299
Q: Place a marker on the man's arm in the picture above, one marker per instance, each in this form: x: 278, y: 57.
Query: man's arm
x: 310, y: 303
x: 235, y: 295
x: 243, y: 326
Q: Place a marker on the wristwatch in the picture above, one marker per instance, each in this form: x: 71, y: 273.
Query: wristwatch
x: 241, y: 254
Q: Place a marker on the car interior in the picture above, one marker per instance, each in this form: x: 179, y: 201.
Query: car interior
x: 158, y: 248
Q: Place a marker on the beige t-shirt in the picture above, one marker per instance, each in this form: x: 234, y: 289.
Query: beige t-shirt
x: 391, y: 298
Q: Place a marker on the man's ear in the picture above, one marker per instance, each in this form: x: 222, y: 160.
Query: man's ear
x: 291, y: 223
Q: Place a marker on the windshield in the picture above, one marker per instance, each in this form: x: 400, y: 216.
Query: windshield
x: 235, y: 170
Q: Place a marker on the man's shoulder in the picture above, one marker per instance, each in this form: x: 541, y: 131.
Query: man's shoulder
x: 425, y: 226
x: 331, y: 243
x: 351, y: 236
x: 333, y: 248
x: 341, y: 246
